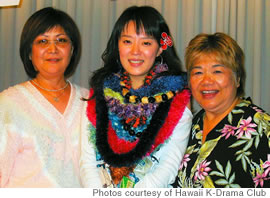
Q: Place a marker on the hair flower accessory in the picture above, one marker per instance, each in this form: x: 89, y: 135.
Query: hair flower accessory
x: 165, y: 41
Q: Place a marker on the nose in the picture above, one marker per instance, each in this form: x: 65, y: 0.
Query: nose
x: 52, y: 48
x: 135, y: 48
x: 207, y: 78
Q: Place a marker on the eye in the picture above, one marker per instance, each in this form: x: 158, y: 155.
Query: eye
x: 147, y: 43
x: 197, y: 73
x: 126, y: 41
x: 62, y: 40
x: 42, y: 41
x: 217, y: 71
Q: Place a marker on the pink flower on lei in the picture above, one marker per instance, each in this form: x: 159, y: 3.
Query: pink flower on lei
x: 184, y: 161
x: 245, y: 128
x: 259, y: 179
x: 228, y: 130
x: 202, y: 170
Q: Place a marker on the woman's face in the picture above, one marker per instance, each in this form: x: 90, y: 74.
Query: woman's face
x: 137, y: 53
x: 213, y: 85
x: 51, y: 53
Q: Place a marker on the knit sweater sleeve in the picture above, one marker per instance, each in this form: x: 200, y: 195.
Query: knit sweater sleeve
x: 9, y: 142
x: 89, y: 172
x: 169, y: 157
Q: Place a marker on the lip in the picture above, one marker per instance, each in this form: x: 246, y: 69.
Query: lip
x: 209, y: 94
x: 135, y: 62
x: 53, y: 59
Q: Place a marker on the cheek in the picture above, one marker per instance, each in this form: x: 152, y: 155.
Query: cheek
x: 67, y: 53
x: 193, y: 82
x: 122, y: 52
x: 35, y: 52
x: 226, y: 81
x: 151, y: 53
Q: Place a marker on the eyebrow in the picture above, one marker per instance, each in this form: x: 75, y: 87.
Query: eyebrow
x: 61, y: 34
x: 218, y: 65
x: 199, y: 67
x: 147, y: 37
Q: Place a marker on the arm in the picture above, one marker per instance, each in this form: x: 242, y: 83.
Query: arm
x: 169, y: 157
x: 9, y: 143
x: 88, y: 165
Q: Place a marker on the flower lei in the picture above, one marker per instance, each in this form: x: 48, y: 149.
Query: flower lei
x: 114, y: 143
x: 136, y: 116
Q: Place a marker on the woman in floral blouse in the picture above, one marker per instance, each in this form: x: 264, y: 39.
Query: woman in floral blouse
x: 229, y: 144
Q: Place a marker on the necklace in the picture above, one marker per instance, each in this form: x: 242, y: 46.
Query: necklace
x: 125, y: 84
x: 50, y: 90
x: 136, y: 106
x: 55, y: 98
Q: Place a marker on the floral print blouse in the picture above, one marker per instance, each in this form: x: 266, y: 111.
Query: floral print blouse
x: 236, y: 153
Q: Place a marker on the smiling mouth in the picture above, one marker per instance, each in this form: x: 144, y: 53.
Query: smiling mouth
x: 210, y: 92
x: 53, y: 59
x: 136, y: 61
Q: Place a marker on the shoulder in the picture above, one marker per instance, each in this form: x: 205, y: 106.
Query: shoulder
x: 247, y: 108
x: 198, y: 115
x: 81, y: 91
x: 12, y: 91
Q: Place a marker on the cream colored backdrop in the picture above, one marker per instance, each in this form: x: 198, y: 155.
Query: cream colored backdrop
x: 247, y: 21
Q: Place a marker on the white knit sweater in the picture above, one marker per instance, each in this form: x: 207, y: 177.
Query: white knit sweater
x: 39, y: 146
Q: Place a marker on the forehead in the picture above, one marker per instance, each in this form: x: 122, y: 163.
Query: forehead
x: 206, y: 58
x: 132, y: 27
x: 57, y: 28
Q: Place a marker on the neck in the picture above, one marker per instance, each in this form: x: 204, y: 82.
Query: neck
x: 136, y: 82
x: 53, y: 84
x: 211, y: 116
x: 211, y: 119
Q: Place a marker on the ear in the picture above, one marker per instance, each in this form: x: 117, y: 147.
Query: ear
x: 71, y: 51
x: 30, y: 57
x: 238, y: 82
x: 160, y: 50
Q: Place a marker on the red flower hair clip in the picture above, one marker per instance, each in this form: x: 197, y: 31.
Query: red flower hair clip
x: 165, y: 41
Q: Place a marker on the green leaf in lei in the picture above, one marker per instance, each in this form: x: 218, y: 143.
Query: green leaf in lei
x: 92, y: 134
x: 205, y: 151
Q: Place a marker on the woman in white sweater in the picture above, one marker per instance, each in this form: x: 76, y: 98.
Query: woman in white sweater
x: 40, y: 119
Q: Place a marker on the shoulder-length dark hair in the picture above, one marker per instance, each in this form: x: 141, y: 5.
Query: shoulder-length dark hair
x: 42, y: 21
x: 147, y: 19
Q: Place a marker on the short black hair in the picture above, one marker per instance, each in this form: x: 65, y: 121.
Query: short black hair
x: 42, y: 21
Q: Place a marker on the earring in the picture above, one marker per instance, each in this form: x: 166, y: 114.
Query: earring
x: 161, y: 59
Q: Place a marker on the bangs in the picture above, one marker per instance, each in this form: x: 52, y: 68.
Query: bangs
x: 143, y: 24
